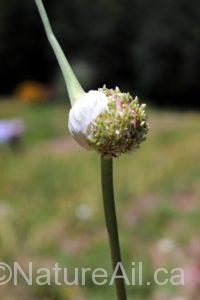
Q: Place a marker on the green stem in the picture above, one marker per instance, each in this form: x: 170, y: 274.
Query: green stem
x: 111, y: 222
x: 74, y: 88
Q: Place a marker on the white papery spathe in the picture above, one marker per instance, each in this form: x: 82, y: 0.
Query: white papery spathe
x: 83, y: 113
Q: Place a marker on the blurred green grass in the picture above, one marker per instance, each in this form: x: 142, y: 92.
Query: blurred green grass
x: 51, y: 207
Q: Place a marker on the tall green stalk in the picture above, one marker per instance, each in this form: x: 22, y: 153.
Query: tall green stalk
x: 74, y: 88
x: 111, y: 222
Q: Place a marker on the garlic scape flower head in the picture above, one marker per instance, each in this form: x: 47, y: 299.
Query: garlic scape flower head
x: 109, y: 121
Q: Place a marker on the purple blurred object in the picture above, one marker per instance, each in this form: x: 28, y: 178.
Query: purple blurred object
x: 10, y: 130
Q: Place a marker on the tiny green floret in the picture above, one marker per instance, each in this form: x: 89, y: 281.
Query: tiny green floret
x: 121, y: 127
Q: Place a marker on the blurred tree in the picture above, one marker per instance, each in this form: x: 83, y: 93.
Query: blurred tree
x: 23, y: 47
x: 166, y: 53
x: 151, y: 47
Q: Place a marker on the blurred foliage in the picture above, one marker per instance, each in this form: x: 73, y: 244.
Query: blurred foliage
x: 51, y: 205
x: 151, y: 47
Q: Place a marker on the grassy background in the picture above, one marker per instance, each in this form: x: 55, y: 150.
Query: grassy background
x: 51, y: 207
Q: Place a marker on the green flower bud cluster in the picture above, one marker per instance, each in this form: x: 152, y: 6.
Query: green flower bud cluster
x: 121, y: 127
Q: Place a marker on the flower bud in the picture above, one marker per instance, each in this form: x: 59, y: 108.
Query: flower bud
x: 109, y: 121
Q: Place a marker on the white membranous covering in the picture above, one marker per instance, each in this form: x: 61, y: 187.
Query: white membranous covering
x: 83, y: 113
